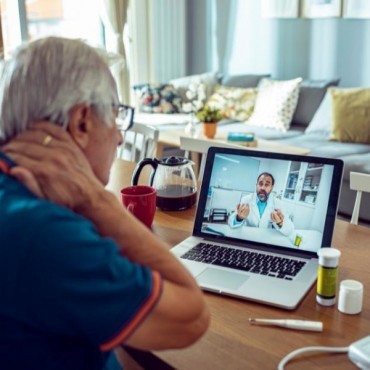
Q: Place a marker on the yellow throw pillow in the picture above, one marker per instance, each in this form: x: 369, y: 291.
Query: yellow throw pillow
x: 234, y: 102
x: 351, y: 114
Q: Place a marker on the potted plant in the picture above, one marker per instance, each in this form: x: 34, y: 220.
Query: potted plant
x: 209, y: 116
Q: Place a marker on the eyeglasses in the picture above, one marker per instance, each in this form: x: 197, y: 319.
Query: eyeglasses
x: 125, y: 117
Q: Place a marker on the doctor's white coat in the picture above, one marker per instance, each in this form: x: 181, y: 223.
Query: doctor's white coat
x: 254, y: 218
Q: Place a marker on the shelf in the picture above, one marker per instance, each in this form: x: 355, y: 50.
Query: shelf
x: 311, y: 167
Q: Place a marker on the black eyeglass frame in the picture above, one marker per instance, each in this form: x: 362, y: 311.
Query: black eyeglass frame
x: 129, y: 110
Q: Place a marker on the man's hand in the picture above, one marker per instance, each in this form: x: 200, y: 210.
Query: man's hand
x: 52, y: 166
x: 242, y: 211
x: 277, y: 217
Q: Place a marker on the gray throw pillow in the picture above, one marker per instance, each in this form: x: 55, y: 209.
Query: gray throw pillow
x: 242, y: 80
x: 311, y: 94
x: 209, y: 79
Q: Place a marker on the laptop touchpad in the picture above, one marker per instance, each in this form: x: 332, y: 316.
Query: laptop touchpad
x: 222, y: 279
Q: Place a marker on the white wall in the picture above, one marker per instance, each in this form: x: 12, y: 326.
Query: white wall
x: 244, y: 42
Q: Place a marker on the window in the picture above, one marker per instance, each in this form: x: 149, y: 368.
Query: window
x: 30, y: 19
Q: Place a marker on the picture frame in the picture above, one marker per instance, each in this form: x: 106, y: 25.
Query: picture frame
x: 321, y: 8
x: 356, y: 9
x: 279, y: 8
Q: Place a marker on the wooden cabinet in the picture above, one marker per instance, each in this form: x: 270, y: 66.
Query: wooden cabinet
x: 303, y: 182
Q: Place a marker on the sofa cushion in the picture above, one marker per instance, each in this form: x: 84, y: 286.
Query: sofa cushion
x: 158, y: 98
x: 247, y: 80
x: 319, y: 145
x: 321, y: 121
x: 351, y: 114
x: 355, y: 163
x: 311, y: 94
x: 182, y: 84
x: 234, y: 102
x: 275, y: 104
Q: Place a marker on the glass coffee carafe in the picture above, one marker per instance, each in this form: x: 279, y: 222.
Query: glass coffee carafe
x: 174, y: 180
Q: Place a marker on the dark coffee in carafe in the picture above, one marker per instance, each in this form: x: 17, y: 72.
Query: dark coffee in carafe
x: 176, y: 198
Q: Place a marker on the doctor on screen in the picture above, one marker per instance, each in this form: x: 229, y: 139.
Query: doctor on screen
x: 262, y: 209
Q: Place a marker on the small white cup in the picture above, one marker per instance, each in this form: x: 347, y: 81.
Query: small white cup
x: 351, y: 294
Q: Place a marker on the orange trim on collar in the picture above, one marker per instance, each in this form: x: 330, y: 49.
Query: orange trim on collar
x: 4, y: 166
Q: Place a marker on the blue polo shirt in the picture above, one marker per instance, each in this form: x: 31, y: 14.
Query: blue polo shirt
x: 67, y: 297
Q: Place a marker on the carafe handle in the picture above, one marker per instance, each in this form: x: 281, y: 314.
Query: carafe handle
x: 140, y: 166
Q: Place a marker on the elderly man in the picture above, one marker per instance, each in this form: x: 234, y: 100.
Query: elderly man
x: 79, y: 275
x: 262, y: 209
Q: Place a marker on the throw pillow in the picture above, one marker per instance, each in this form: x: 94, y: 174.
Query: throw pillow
x: 234, y: 103
x: 351, y: 115
x: 242, y: 80
x: 311, y: 93
x: 158, y: 98
x: 275, y: 103
x: 182, y: 84
x: 321, y: 121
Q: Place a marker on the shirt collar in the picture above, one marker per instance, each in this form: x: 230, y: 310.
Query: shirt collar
x: 262, y: 203
x: 5, y: 163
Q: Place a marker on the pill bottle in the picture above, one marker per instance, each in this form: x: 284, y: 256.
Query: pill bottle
x: 327, y: 276
x: 298, y: 240
x: 350, y: 297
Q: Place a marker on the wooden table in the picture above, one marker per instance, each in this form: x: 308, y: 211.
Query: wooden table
x: 198, y: 142
x: 198, y: 145
x: 232, y: 343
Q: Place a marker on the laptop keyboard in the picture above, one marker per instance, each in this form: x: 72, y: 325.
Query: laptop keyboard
x: 258, y: 263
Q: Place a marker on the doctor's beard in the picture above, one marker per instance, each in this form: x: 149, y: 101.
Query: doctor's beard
x: 262, y: 196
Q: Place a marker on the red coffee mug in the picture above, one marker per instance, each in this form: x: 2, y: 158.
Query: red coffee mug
x: 140, y: 200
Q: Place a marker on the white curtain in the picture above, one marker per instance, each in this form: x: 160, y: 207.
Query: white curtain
x: 114, y: 15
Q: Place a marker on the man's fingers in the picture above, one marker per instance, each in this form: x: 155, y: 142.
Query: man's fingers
x: 280, y: 214
x: 277, y: 216
x: 44, y: 134
x: 32, y: 164
x: 27, y: 179
x: 36, y: 150
x: 38, y: 137
x: 278, y: 211
x: 244, y: 210
x: 21, y: 153
x: 52, y: 129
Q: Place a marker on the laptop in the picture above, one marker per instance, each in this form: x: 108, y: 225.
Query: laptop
x: 257, y: 258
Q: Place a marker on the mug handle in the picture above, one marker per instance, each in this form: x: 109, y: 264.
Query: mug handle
x: 140, y: 166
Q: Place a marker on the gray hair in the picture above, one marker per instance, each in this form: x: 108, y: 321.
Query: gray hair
x: 46, y: 78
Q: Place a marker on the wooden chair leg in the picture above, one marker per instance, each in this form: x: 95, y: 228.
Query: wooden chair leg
x: 356, y: 208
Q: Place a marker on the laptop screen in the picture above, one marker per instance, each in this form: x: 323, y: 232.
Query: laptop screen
x: 269, y: 199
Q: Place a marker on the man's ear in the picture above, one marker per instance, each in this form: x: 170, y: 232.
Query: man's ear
x: 80, y: 124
